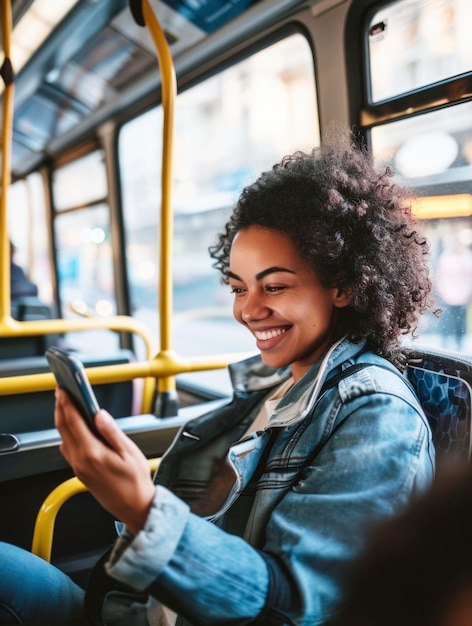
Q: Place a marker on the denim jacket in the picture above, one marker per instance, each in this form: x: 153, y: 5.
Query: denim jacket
x: 327, y: 466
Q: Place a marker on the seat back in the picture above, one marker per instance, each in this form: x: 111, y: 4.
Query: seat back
x: 443, y: 383
x: 27, y: 309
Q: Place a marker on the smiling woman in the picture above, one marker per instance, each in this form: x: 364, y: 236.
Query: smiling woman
x: 317, y: 436
x: 323, y: 436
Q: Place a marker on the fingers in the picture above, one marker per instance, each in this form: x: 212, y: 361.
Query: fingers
x: 68, y: 419
x: 117, y: 475
x: 74, y: 433
x: 77, y: 436
x: 78, y: 442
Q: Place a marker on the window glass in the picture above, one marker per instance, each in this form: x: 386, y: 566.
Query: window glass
x: 83, y: 247
x: 27, y: 227
x: 227, y: 130
x: 432, y: 154
x: 85, y: 272
x: 80, y: 181
x: 435, y: 146
x: 413, y: 43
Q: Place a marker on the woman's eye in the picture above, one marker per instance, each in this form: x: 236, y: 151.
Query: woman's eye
x: 237, y: 290
x: 273, y: 289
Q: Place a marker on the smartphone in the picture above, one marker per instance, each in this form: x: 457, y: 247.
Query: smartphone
x: 71, y: 376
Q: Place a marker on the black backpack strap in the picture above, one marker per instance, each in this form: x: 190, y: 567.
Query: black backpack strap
x: 352, y: 369
x: 356, y: 367
x: 334, y: 380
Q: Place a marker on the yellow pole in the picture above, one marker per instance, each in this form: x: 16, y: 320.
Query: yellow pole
x: 169, y: 90
x: 43, y: 533
x: 7, y: 119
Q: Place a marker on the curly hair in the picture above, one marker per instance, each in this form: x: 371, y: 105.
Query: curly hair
x: 355, y: 228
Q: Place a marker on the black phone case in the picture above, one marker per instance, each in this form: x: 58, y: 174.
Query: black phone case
x: 70, y: 375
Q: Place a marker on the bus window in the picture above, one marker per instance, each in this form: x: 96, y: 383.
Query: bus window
x: 83, y: 247
x: 430, y: 152
x: 227, y: 130
x: 80, y: 182
x: 27, y: 227
x: 412, y: 44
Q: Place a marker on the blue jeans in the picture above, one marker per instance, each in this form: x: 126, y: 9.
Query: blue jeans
x: 35, y: 593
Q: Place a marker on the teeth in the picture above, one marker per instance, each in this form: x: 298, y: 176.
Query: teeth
x: 268, y: 334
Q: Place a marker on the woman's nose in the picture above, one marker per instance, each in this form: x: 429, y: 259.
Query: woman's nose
x: 254, y: 309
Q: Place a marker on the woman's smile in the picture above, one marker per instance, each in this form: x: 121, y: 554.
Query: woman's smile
x: 267, y: 339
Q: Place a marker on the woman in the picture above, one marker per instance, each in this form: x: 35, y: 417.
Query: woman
x: 260, y: 506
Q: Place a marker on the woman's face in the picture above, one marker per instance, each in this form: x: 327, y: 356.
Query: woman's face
x: 280, y: 300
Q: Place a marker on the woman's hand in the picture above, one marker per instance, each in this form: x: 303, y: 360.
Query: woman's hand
x: 118, y: 476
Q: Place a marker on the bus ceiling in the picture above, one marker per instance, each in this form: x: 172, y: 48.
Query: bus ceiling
x: 97, y: 60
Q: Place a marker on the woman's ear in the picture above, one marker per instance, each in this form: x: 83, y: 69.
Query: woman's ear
x: 342, y: 297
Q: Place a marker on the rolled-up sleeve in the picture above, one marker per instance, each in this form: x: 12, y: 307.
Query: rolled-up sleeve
x: 138, y: 560
x: 178, y: 556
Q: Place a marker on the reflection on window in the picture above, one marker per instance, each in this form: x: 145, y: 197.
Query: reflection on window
x: 84, y: 257
x: 437, y: 144
x: 79, y: 182
x: 432, y: 154
x: 27, y: 228
x: 413, y: 43
x: 227, y: 130
x: 85, y: 272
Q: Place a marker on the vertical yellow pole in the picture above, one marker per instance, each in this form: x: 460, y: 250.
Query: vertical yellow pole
x: 169, y: 90
x: 7, y: 119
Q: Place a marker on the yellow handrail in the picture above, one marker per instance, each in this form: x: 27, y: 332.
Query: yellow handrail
x: 7, y: 125
x: 8, y: 326
x: 46, y: 519
x: 168, y: 95
x: 168, y: 364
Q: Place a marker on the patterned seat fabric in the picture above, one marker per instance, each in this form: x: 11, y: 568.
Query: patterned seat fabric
x: 443, y: 384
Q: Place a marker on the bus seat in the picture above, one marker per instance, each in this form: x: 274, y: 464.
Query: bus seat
x: 29, y: 412
x: 26, y: 309
x: 443, y: 383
